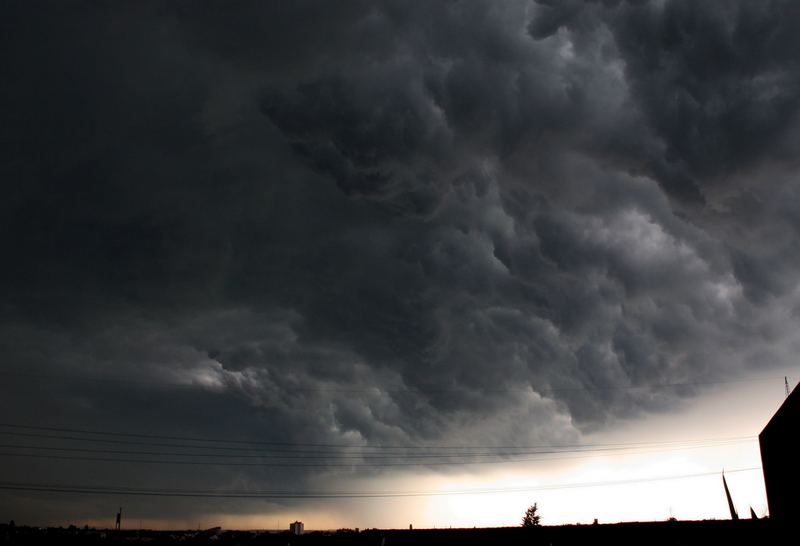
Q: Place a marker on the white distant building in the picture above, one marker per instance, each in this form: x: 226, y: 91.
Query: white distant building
x: 296, y: 528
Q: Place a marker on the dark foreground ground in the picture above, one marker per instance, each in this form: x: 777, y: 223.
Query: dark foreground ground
x: 652, y: 533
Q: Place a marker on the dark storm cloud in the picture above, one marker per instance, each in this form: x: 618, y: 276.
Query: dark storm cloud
x: 716, y: 82
x: 378, y: 224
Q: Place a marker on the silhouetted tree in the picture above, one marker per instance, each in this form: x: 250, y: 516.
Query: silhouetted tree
x: 531, y: 518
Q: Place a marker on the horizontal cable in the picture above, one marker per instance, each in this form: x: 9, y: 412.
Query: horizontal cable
x: 376, y: 456
x: 115, y: 490
x: 407, y: 389
x: 545, y: 456
x: 97, y: 436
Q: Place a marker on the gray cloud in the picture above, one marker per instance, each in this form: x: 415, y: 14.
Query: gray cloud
x: 450, y: 223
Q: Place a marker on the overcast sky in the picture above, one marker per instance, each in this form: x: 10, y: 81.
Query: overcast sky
x: 343, y: 228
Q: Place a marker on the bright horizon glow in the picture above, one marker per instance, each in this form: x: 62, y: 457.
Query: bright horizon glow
x: 627, y: 485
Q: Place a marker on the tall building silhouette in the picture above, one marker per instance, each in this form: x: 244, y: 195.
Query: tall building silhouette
x: 780, y: 459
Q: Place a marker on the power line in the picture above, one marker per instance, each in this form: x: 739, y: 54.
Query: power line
x: 545, y: 390
x: 370, y: 456
x: 545, y: 456
x: 120, y: 490
x: 366, y: 451
x: 298, y: 444
x: 195, y: 454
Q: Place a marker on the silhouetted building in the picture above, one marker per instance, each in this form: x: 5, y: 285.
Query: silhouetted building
x: 296, y: 528
x: 780, y: 459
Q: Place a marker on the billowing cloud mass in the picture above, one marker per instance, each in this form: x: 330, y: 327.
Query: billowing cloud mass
x: 387, y: 223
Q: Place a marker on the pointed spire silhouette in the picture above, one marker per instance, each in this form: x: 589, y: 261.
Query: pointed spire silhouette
x: 732, y: 508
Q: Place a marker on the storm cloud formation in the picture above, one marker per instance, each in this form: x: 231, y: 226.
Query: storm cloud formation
x: 391, y: 223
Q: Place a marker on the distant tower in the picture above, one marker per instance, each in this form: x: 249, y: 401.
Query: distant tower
x: 119, y: 519
x: 786, y: 385
x: 296, y: 528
